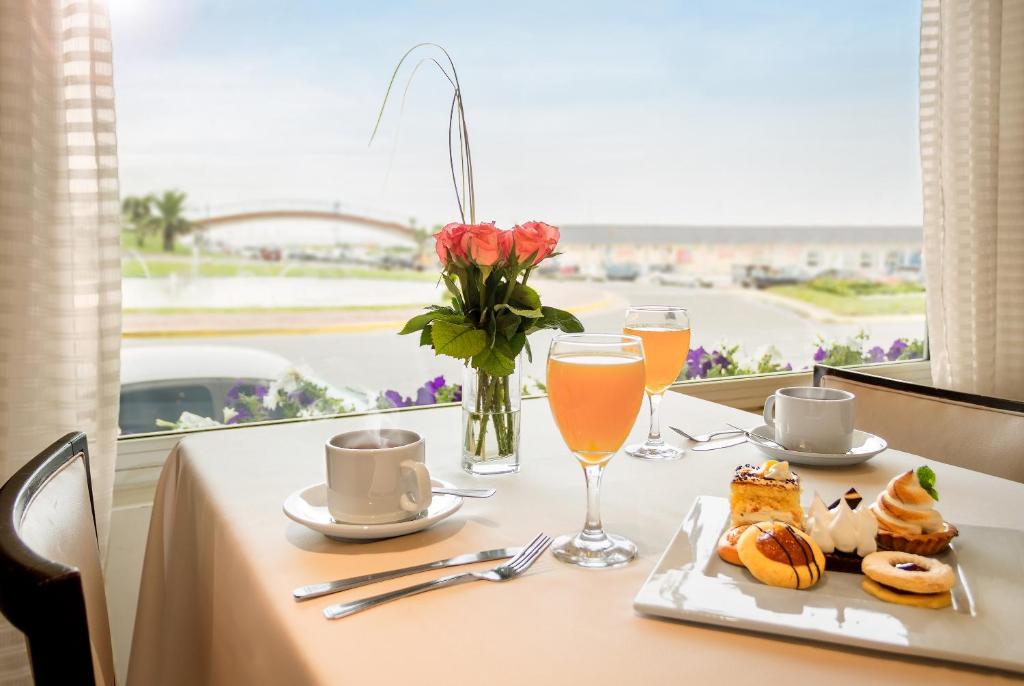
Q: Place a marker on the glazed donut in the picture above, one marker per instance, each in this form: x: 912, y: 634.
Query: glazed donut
x: 907, y: 572
x: 779, y: 554
x: 727, y: 544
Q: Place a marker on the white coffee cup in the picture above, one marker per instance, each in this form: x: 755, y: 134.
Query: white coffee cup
x: 377, y: 476
x: 811, y: 419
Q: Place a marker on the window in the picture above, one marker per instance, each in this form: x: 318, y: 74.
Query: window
x: 756, y: 162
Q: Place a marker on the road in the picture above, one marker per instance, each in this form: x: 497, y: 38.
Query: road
x: 381, y: 359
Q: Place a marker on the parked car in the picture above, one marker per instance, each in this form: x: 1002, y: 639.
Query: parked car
x: 675, y: 278
x: 621, y: 271
x: 162, y: 381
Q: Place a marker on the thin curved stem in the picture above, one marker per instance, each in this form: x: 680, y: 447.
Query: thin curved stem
x: 654, y: 434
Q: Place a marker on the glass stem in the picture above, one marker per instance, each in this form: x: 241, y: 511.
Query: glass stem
x: 593, y: 529
x: 654, y: 435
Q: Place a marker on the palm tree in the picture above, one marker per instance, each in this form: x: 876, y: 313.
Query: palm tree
x: 169, y: 221
x: 136, y: 213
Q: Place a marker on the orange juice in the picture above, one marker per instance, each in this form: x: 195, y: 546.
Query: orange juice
x: 595, y: 399
x: 665, y: 353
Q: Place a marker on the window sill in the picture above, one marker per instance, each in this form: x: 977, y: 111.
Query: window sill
x: 140, y: 458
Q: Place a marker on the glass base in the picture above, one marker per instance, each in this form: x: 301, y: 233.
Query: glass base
x: 490, y: 467
x: 655, y: 451
x: 596, y: 552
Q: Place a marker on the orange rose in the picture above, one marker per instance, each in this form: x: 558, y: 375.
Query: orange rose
x: 449, y: 243
x: 534, y: 237
x: 481, y: 245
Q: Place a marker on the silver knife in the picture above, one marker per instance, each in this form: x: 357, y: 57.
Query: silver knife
x: 318, y: 590
x: 719, y: 444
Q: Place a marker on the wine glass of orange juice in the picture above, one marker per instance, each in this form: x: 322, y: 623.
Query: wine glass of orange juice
x: 665, y: 331
x: 595, y: 388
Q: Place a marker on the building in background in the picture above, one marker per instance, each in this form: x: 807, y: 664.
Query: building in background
x: 720, y: 254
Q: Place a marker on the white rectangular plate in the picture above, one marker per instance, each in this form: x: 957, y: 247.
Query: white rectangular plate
x: 985, y: 625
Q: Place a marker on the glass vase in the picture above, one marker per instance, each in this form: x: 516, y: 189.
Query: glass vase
x: 490, y: 421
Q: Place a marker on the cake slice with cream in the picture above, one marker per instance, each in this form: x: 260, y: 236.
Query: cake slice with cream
x: 768, y: 492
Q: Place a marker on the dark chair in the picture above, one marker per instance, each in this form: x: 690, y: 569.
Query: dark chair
x: 972, y: 431
x: 51, y: 582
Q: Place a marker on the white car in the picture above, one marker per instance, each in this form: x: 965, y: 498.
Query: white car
x: 162, y: 381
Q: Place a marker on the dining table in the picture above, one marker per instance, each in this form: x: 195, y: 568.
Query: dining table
x: 222, y: 559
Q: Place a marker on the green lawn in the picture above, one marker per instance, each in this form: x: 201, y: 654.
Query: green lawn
x: 265, y: 310
x: 854, y: 305
x: 151, y: 245
x: 211, y: 267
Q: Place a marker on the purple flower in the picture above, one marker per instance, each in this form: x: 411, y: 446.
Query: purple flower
x: 897, y: 348
x: 820, y: 354
x: 241, y: 414
x: 788, y: 367
x: 426, y: 395
x: 304, y: 398
x: 876, y: 354
x: 396, y: 400
x: 696, y: 366
x: 260, y: 391
x: 457, y: 397
x: 436, y: 384
x: 719, y: 360
x: 235, y: 391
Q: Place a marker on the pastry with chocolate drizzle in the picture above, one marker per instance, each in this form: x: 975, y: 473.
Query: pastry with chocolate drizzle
x: 779, y: 554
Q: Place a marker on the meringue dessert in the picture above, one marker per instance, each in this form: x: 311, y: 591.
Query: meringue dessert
x: 768, y: 492
x: 907, y: 518
x: 845, y: 532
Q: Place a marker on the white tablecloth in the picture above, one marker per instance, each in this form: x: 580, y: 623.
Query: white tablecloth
x: 216, y: 608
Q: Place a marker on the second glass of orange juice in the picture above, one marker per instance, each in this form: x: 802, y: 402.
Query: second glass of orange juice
x: 665, y: 331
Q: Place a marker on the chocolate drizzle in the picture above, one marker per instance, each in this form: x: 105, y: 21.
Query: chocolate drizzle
x: 813, y: 573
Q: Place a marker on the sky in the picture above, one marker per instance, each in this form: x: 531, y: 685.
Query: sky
x: 697, y: 112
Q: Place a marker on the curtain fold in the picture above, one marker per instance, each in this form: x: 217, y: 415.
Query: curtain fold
x: 60, y: 272
x: 972, y: 155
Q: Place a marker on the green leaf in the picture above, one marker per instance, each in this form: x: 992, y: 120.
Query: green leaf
x: 426, y: 338
x: 454, y: 290
x: 529, y: 314
x: 515, y: 345
x: 508, y: 324
x: 529, y: 353
x: 926, y: 477
x: 419, y: 321
x: 524, y: 297
x: 494, y: 362
x: 560, y: 319
x: 457, y: 340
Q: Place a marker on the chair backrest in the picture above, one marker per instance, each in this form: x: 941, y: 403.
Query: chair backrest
x: 973, y: 431
x: 51, y: 581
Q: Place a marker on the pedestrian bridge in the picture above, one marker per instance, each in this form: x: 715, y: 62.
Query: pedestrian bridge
x: 224, y: 216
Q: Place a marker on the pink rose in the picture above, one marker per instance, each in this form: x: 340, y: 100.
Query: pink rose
x: 506, y: 241
x: 449, y: 243
x: 480, y: 243
x: 535, y: 237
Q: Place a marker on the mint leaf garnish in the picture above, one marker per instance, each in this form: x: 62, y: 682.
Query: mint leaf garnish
x: 926, y: 477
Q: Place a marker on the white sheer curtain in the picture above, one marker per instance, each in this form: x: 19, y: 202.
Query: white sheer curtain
x: 972, y: 152
x: 60, y: 274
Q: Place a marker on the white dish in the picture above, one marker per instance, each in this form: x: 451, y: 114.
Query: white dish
x: 865, y: 446
x: 308, y: 506
x: 691, y: 582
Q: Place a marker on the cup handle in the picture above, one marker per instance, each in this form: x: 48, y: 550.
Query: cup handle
x: 769, y: 414
x: 422, y: 493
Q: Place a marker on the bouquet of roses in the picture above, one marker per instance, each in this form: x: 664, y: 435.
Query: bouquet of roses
x: 492, y: 309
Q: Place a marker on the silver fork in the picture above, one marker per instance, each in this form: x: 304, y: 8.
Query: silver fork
x: 704, y: 438
x: 510, y: 570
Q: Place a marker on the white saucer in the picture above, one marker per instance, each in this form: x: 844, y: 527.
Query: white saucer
x: 865, y: 446
x: 308, y: 506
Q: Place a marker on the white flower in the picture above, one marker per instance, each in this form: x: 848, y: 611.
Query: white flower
x: 229, y: 414
x: 270, y: 399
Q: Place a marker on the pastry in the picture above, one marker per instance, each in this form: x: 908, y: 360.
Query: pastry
x: 727, y: 544
x: 932, y: 601
x: 779, y: 554
x: 907, y: 519
x: 844, y: 531
x: 768, y: 492
x: 908, y: 579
